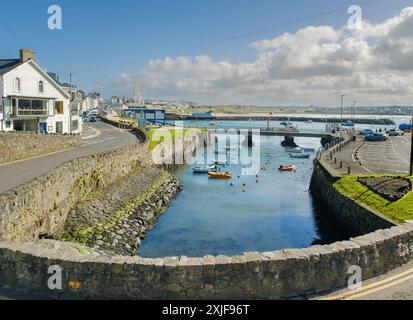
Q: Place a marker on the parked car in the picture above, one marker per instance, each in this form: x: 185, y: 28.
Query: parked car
x: 395, y: 133
x: 405, y: 127
x: 376, y: 137
x: 367, y: 132
x: 93, y: 119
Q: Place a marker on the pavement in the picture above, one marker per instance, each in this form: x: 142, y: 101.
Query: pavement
x: 97, y: 138
x: 394, y: 285
x: 363, y: 157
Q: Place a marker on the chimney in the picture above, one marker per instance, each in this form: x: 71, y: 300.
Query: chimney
x: 26, y: 55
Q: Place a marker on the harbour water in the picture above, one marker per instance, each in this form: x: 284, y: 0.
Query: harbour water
x: 276, y: 211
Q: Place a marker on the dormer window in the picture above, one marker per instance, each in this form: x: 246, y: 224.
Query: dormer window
x: 17, y: 85
x: 41, y: 87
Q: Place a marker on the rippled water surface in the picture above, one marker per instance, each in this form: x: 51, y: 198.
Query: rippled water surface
x: 211, y: 217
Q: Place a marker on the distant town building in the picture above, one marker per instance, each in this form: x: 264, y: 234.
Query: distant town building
x: 153, y: 116
x: 203, y: 115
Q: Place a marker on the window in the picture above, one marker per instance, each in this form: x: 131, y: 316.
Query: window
x: 41, y: 87
x: 8, y: 124
x: 17, y: 85
x: 58, y: 107
x: 24, y: 104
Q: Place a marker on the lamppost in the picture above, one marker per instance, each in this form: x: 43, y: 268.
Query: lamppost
x: 354, y: 119
x: 341, y: 117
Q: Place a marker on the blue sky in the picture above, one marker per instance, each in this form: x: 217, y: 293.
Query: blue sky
x: 102, y: 39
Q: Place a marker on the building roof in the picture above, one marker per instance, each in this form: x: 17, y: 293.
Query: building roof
x: 7, y: 65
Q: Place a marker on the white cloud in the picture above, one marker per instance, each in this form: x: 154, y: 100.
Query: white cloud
x: 311, y: 66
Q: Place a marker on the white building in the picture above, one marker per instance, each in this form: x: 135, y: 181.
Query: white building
x: 30, y: 100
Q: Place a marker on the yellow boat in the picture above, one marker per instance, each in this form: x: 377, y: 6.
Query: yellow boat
x: 219, y: 175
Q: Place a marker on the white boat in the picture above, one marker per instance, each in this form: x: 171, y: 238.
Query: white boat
x: 219, y: 163
x: 348, y: 124
x: 308, y: 149
x: 234, y: 148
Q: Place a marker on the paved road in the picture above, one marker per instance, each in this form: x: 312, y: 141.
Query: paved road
x: 110, y: 138
x: 387, y: 157
x: 394, y: 285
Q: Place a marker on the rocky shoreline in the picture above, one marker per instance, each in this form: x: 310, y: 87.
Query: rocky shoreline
x: 114, y: 220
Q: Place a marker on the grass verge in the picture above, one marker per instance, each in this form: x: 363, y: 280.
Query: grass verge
x: 399, y: 211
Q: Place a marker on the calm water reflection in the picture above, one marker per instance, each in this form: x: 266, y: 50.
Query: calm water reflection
x: 211, y: 217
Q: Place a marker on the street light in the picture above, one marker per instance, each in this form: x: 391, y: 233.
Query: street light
x: 341, y: 118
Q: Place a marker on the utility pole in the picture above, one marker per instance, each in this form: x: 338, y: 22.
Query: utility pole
x: 341, y: 118
x: 411, y: 149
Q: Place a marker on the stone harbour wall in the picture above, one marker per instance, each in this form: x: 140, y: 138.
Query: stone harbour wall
x: 269, y: 275
x: 22, y: 145
x: 355, y: 219
x: 116, y: 219
x: 92, y: 270
x: 39, y: 208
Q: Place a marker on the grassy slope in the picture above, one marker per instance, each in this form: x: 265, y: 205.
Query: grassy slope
x: 400, y: 211
x: 167, y: 136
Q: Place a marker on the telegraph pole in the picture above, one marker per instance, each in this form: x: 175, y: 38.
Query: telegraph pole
x: 70, y: 103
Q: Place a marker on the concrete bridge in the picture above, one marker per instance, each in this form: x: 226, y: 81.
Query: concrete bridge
x: 284, y: 133
x: 289, y: 135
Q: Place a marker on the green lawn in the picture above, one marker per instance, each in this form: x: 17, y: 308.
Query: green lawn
x: 166, y: 134
x: 399, y: 211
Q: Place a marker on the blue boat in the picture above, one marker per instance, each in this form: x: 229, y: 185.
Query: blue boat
x: 204, y: 169
x: 300, y: 156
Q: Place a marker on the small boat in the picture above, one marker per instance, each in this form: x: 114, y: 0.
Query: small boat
x: 219, y: 163
x: 219, y: 175
x: 234, y: 148
x: 294, y: 150
x: 204, y: 169
x: 348, y: 124
x: 309, y: 121
x: 308, y: 149
x: 287, y: 168
x: 300, y: 156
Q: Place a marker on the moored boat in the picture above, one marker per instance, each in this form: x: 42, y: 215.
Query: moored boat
x: 219, y: 175
x: 287, y: 168
x: 204, y: 169
x: 219, y: 163
x: 294, y: 150
x: 300, y: 155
